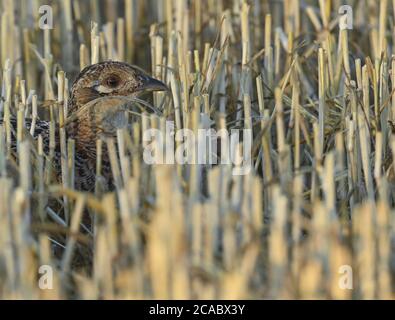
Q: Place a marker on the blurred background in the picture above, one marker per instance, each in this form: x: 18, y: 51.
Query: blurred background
x: 319, y: 202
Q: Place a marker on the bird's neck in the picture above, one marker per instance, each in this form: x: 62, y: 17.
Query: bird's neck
x: 101, y: 120
x: 85, y: 139
x: 86, y: 136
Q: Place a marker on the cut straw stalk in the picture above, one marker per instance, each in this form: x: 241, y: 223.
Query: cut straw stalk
x: 325, y: 165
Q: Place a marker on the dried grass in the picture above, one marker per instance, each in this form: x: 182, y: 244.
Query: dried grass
x: 322, y: 193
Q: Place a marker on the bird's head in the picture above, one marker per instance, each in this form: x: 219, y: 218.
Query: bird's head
x: 112, y: 78
x: 103, y: 91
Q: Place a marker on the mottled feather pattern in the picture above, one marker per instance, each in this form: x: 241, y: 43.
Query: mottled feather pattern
x: 91, y: 118
x: 85, y: 173
x: 93, y: 73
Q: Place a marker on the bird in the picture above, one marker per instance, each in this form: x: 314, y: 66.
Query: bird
x: 96, y: 106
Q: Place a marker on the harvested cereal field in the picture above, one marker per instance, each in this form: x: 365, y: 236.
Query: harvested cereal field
x: 249, y: 155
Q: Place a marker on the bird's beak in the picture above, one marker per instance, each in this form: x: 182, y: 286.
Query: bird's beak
x: 151, y: 84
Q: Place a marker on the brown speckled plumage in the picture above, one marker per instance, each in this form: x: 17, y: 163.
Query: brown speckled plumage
x: 96, y: 109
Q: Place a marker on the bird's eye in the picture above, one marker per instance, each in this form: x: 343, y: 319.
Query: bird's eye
x: 112, y: 81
